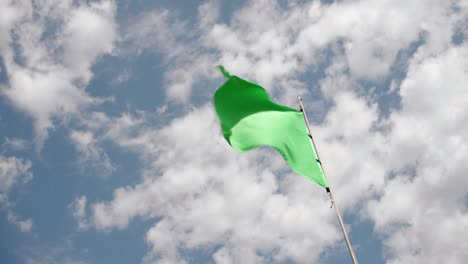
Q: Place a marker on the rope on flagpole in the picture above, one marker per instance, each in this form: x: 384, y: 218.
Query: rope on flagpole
x: 330, y: 194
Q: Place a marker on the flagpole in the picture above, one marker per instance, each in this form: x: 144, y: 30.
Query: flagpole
x: 333, y: 203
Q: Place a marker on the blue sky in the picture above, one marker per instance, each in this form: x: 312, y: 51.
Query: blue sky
x: 110, y: 151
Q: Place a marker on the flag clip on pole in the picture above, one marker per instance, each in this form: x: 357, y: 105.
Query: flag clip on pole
x: 329, y: 192
x: 333, y: 203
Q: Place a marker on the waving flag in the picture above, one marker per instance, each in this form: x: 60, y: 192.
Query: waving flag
x: 249, y: 119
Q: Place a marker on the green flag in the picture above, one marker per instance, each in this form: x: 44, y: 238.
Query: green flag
x: 250, y: 119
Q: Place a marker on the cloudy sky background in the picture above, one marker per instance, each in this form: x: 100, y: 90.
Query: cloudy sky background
x: 110, y: 151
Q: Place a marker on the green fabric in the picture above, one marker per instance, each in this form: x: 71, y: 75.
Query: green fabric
x: 250, y: 119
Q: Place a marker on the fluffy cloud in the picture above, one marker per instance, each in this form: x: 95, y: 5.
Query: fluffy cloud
x: 45, y: 254
x: 24, y: 225
x: 13, y: 171
x: 405, y: 171
x: 90, y: 154
x: 14, y: 144
x: 161, y: 31
x: 78, y: 210
x: 347, y: 137
x: 213, y: 196
x: 47, y: 51
x: 281, y: 41
x: 423, y: 208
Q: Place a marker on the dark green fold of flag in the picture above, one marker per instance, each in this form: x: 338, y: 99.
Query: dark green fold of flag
x: 249, y: 119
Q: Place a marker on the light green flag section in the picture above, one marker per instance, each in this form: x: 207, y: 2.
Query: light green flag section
x: 250, y: 119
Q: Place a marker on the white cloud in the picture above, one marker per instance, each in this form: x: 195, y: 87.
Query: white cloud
x: 423, y: 210
x: 280, y: 43
x: 90, y: 154
x: 212, y: 195
x: 45, y: 254
x: 409, y: 166
x: 24, y: 225
x: 48, y: 52
x: 162, y: 31
x: 122, y: 77
x: 14, y: 144
x: 88, y: 22
x: 78, y: 210
x: 13, y: 171
x: 347, y: 137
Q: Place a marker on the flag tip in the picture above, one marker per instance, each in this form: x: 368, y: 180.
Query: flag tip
x: 224, y: 72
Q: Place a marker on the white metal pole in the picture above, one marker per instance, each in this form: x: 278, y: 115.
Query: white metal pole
x: 333, y: 203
